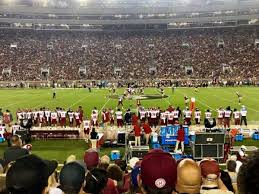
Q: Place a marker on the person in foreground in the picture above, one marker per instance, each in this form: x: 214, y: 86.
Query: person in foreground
x: 188, y: 177
x: 15, y: 151
x: 248, y: 175
x: 72, y: 177
x: 211, y: 182
x: 29, y: 175
x: 158, y: 173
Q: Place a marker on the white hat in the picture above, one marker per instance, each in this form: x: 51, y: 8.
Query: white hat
x: 55, y: 191
x: 243, y: 148
x: 133, y: 161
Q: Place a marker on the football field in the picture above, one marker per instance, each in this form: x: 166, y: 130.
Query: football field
x: 206, y: 98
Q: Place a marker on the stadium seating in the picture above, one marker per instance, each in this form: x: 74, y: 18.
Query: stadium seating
x: 134, y: 55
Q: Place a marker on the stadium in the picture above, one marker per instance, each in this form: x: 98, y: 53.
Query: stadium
x: 129, y: 96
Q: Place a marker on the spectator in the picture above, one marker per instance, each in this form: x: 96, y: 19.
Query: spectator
x: 104, y: 163
x: 91, y: 159
x: 115, y: 173
x: 95, y: 181
x: 52, y: 183
x: 15, y: 151
x: 211, y: 182
x: 72, y: 177
x: 248, y: 175
x: 188, y: 177
x: 231, y: 169
x: 29, y: 175
x: 158, y: 173
x: 93, y: 134
x: 224, y: 176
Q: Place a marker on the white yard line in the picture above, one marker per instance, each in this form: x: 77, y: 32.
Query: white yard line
x: 199, y: 101
x: 80, y: 100
x: 105, y: 104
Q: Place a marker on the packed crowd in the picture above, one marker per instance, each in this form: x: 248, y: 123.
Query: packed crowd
x: 132, y: 52
x: 157, y: 173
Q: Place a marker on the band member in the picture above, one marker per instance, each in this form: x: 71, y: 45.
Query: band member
x: 220, y: 116
x: 197, y: 115
x: 147, y: 130
x: 227, y: 117
x: 243, y: 113
x: 180, y: 138
x: 236, y: 115
x: 119, y: 118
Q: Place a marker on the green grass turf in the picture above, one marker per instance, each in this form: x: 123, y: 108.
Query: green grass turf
x: 61, y: 149
x: 212, y: 98
x: 206, y: 98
